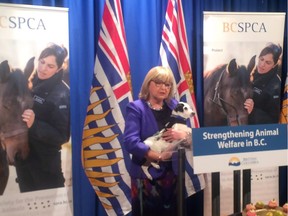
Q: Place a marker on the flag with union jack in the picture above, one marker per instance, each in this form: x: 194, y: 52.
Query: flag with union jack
x: 103, y: 159
x: 284, y: 109
x: 174, y: 53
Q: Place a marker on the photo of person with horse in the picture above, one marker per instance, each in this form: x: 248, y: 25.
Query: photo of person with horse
x: 227, y: 88
x: 266, y: 82
x: 48, y: 122
x: 244, y: 94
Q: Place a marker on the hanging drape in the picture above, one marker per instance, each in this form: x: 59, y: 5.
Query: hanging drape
x: 143, y: 21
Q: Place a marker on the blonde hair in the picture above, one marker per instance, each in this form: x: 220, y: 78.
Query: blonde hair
x: 158, y: 73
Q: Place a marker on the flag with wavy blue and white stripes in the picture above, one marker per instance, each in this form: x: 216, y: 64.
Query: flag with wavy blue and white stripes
x: 103, y: 158
x: 174, y: 53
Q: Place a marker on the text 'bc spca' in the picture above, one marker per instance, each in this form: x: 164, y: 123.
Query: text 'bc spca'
x: 244, y: 27
x: 13, y: 22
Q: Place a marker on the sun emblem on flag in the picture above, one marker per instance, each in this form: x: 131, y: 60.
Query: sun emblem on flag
x: 188, y: 78
x: 93, y: 157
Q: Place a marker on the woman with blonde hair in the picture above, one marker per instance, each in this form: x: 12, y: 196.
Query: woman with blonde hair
x: 145, y: 117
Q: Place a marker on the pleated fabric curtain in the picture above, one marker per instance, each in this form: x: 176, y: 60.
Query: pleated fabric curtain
x: 143, y: 21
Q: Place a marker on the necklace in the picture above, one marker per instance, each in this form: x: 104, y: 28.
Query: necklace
x: 154, y: 108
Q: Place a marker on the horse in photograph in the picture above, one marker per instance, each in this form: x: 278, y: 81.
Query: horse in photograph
x: 225, y: 90
x: 14, y: 99
x: 180, y: 114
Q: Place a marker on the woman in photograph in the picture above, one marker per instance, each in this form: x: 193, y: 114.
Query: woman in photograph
x: 266, y: 83
x: 48, y: 122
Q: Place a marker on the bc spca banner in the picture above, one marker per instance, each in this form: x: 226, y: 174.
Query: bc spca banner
x: 26, y: 31
x: 235, y: 45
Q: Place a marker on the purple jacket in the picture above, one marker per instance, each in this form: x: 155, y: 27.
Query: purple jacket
x: 140, y: 124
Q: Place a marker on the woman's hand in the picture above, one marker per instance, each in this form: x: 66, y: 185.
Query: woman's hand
x: 249, y: 105
x: 155, y: 156
x: 28, y: 117
x: 166, y: 155
x: 171, y: 134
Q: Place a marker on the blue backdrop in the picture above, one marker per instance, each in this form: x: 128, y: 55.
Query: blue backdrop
x: 143, y: 20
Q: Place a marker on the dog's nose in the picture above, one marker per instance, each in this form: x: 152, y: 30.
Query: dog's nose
x: 192, y: 114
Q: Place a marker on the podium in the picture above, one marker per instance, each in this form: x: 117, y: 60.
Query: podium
x: 240, y: 149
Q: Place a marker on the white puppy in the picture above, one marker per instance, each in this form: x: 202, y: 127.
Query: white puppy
x: 156, y: 143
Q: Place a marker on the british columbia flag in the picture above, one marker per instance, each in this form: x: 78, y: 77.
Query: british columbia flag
x: 103, y: 158
x: 174, y: 53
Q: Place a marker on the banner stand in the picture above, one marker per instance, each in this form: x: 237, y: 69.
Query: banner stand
x: 26, y: 30
x: 237, y: 192
x: 246, y: 187
x: 226, y: 36
x: 215, y: 193
x: 283, y: 187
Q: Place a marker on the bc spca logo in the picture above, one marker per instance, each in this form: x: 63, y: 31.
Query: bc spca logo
x: 234, y: 161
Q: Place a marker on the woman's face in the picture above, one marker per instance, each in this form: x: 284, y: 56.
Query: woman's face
x: 47, y: 67
x: 159, y: 90
x: 265, y: 63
